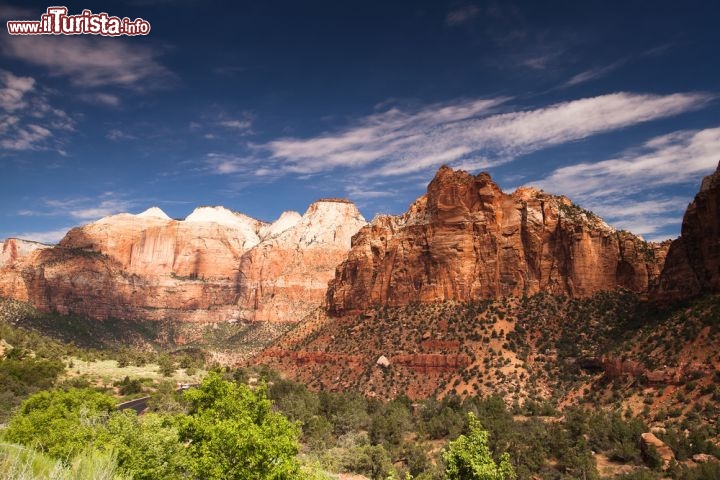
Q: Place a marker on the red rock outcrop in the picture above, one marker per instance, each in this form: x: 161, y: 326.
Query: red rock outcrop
x: 149, y: 266
x: 432, y: 362
x: 467, y: 240
x: 692, y: 266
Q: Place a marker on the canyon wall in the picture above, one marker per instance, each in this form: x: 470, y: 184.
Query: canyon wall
x: 215, y: 265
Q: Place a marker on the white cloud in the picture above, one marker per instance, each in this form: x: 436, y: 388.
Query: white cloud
x: 622, y: 189
x: 397, y: 142
x: 90, y: 61
x: 674, y: 158
x: 385, y: 136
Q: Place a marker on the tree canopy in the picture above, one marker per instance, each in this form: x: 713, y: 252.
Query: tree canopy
x: 468, y: 457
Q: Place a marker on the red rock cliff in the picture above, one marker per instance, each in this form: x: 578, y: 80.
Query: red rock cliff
x: 466, y: 239
x: 693, y: 261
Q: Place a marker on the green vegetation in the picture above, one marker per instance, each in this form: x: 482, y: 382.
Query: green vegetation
x: 60, y: 423
x: 229, y: 432
x: 235, y: 434
x: 468, y: 457
x: 566, y: 419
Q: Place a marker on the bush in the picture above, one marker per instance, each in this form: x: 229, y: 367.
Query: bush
x: 235, y: 434
x: 60, y: 423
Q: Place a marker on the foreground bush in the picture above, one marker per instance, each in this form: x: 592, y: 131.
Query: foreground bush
x: 60, y: 423
x: 235, y: 434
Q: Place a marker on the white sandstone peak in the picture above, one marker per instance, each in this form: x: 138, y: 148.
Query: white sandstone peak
x: 329, y: 221
x: 247, y: 226
x: 153, y: 212
x: 286, y: 220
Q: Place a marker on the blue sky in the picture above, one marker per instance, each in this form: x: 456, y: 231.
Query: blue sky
x: 267, y: 106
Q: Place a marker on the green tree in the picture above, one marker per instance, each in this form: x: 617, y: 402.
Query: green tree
x: 371, y: 460
x: 60, y: 423
x: 166, y: 366
x: 147, y: 447
x: 235, y: 434
x: 468, y: 457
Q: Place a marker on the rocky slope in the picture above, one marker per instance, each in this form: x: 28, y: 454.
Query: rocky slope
x: 467, y: 240
x: 148, y: 266
x: 523, y: 295
x: 692, y: 266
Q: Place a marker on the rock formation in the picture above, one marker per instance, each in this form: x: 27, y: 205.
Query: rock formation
x: 692, y: 266
x: 466, y: 239
x: 649, y: 441
x: 148, y: 266
x: 15, y: 254
x: 287, y: 274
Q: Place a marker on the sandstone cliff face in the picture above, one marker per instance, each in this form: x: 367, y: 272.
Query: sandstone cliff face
x: 287, y: 274
x: 207, y: 244
x: 149, y: 266
x: 466, y: 239
x: 15, y: 255
x: 692, y: 266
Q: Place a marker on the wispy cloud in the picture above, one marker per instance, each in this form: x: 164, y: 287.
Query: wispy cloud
x: 116, y: 134
x: 91, y: 61
x: 540, y: 60
x: 27, y: 119
x: 359, y: 192
x: 219, y: 124
x: 472, y: 132
x: 49, y: 236
x: 81, y: 208
x: 13, y: 92
x: 623, y: 189
x: 237, y: 124
x: 461, y: 15
x: 103, y: 209
x: 106, y: 99
x: 26, y: 138
x: 385, y: 137
x: 221, y: 163
x: 593, y: 73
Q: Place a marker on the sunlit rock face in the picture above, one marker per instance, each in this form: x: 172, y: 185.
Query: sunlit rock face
x: 287, y: 274
x: 466, y: 239
x: 150, y: 266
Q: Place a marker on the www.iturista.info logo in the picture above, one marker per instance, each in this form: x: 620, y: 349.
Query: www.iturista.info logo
x: 57, y: 22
